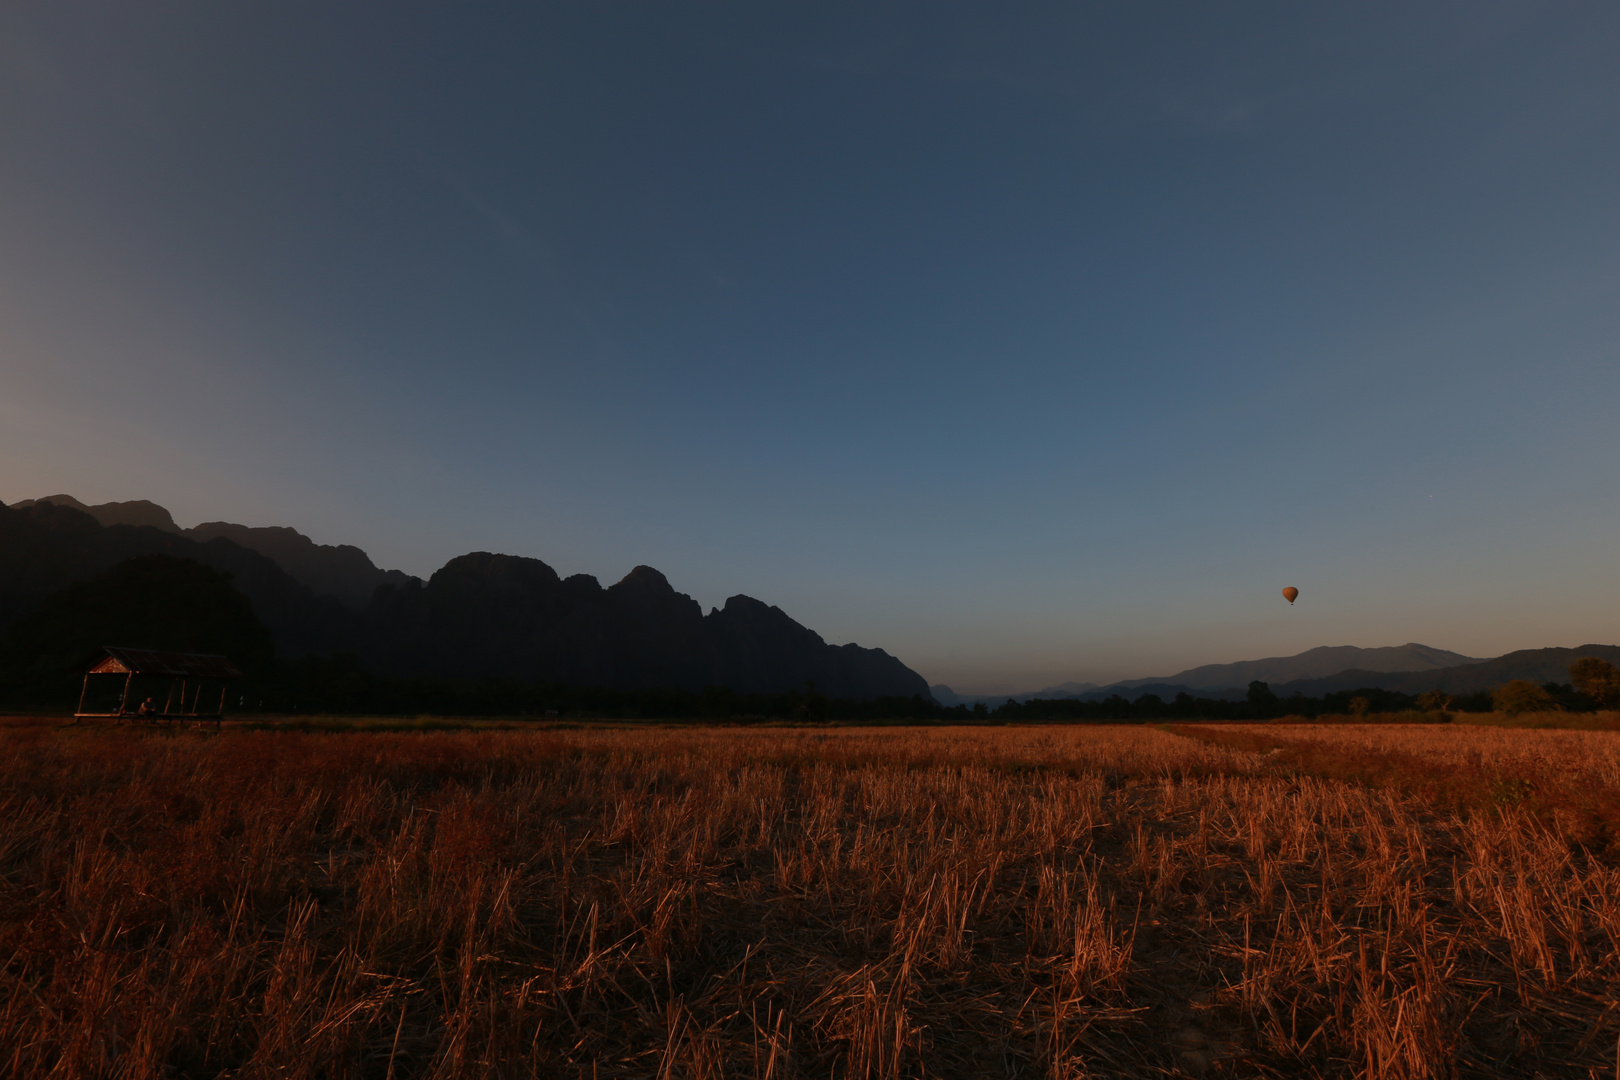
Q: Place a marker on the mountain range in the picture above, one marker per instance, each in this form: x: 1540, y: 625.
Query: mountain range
x: 1313, y: 663
x: 480, y: 616
x: 1411, y: 668
x: 485, y: 615
x: 1534, y: 665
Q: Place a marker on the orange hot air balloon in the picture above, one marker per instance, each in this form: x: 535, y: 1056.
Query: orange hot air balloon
x: 1291, y: 593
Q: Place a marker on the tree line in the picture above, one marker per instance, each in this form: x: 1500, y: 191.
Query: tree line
x: 340, y: 685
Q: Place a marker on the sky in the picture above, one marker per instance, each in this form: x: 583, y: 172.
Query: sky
x: 1028, y: 342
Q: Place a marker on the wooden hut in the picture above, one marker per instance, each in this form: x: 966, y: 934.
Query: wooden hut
x: 186, y: 681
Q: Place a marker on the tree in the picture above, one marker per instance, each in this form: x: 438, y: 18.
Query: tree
x: 1597, y: 679
x: 1116, y: 707
x: 1521, y: 696
x: 815, y: 704
x: 1262, y: 702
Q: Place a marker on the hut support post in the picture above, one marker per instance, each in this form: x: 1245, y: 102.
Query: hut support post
x: 85, y: 689
x: 123, y: 702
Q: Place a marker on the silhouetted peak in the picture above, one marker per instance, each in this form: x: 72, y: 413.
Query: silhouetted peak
x: 646, y: 596
x: 744, y: 613
x: 485, y: 568
x: 645, y: 579
x: 582, y: 583
x: 743, y: 606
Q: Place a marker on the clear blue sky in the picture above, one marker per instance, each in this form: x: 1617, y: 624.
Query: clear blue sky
x: 1028, y: 342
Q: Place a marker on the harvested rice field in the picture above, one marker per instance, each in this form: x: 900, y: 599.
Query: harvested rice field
x: 1260, y: 900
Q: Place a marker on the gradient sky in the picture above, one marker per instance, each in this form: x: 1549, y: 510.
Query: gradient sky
x: 1028, y: 342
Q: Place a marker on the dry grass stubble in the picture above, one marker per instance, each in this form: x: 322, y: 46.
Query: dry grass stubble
x: 721, y: 903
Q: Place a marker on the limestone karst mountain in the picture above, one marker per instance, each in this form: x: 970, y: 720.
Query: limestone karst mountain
x: 485, y: 615
x: 480, y: 616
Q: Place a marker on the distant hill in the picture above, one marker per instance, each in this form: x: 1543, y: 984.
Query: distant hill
x: 948, y: 697
x: 1536, y: 665
x: 1067, y: 689
x: 341, y: 571
x: 1314, y: 663
x: 1166, y: 691
x: 1325, y: 669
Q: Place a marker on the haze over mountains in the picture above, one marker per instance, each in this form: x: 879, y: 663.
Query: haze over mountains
x: 481, y: 616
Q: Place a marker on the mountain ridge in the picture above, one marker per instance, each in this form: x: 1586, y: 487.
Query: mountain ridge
x: 1317, y: 662
x: 341, y: 571
x: 480, y: 616
x: 1543, y: 665
x: 1550, y: 664
x: 1322, y: 665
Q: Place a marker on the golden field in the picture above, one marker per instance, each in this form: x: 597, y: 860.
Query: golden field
x: 1233, y: 900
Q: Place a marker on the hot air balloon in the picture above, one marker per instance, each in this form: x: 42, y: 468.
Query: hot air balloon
x: 1291, y: 593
